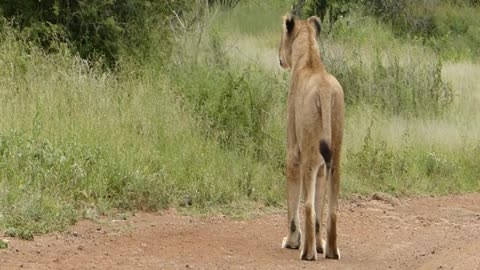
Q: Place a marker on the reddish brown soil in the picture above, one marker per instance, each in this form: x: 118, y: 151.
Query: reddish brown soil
x: 376, y: 233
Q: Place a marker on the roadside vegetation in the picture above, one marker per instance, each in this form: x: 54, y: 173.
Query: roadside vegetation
x: 190, y: 110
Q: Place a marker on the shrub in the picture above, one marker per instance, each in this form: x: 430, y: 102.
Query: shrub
x: 331, y: 9
x: 233, y: 101
x: 97, y: 28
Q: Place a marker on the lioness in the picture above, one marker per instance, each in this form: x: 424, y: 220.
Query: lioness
x: 314, y: 139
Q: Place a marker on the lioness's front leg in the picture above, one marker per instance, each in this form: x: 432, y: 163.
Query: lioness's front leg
x: 294, y: 237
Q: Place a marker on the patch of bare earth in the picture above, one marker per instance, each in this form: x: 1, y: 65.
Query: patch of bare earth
x: 376, y: 233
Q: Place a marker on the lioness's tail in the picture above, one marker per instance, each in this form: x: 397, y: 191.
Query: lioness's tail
x: 326, y: 115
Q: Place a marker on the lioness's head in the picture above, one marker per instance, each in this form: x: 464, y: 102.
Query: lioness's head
x: 291, y: 28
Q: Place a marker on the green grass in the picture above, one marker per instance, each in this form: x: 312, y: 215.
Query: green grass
x: 207, y: 131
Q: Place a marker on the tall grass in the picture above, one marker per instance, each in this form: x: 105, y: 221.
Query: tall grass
x: 80, y: 141
x: 405, y: 133
x: 407, y: 128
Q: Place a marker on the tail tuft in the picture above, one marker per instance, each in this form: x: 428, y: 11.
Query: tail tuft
x: 325, y: 151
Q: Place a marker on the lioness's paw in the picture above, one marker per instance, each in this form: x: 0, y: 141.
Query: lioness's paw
x: 308, y: 255
x: 293, y: 240
x: 320, y: 246
x: 333, y: 255
x: 290, y: 244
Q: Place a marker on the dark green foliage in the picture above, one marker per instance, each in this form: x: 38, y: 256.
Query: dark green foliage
x: 95, y: 28
x: 331, y: 9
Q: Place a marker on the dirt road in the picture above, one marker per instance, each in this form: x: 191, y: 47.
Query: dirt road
x: 374, y: 233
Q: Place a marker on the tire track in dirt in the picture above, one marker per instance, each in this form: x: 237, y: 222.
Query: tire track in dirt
x: 376, y: 233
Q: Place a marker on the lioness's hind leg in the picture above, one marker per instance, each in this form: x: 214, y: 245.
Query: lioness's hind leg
x: 331, y: 250
x: 293, y: 240
x: 309, y: 178
x: 320, y: 193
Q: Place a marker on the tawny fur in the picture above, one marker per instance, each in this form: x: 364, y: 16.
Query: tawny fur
x: 314, y: 139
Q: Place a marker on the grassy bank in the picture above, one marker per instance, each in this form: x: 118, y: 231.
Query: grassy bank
x: 76, y: 141
x: 207, y: 129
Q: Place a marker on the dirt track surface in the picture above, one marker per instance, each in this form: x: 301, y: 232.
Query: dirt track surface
x: 375, y: 233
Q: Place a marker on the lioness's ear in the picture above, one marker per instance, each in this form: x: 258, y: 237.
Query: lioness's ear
x: 289, y: 23
x: 315, y: 22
